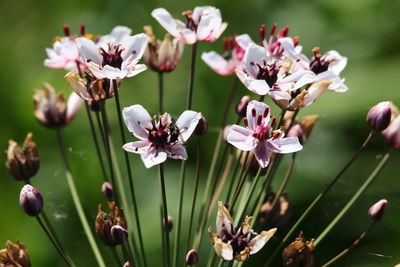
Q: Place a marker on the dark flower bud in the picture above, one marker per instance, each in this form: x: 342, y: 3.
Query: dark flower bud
x: 107, y: 190
x: 378, y: 117
x: 22, y: 163
x: 192, y: 257
x: 241, y: 106
x: 378, y: 210
x: 170, y: 223
x: 105, y: 222
x: 14, y: 255
x: 202, y: 127
x: 119, y: 234
x: 299, y: 253
x: 30, y: 200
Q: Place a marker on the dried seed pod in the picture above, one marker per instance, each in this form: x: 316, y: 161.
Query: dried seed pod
x: 14, y: 255
x: 104, y: 223
x: 299, y: 253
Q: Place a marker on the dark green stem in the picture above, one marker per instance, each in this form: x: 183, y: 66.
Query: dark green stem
x: 164, y: 213
x: 191, y: 76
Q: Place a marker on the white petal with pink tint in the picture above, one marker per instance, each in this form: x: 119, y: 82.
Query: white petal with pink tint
x: 262, y: 154
x: 137, y: 119
x: 74, y: 104
x: 244, y: 40
x: 218, y: 63
x: 284, y: 145
x: 166, y: 20
x: 153, y: 157
x: 177, y: 151
x: 259, y: 109
x: 134, y: 46
x: 88, y: 50
x: 241, y: 138
x: 137, y: 147
x: 187, y: 122
x: 259, y: 87
x: 254, y: 54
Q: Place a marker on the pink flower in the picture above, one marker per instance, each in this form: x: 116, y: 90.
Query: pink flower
x: 259, y: 136
x: 227, y: 63
x: 115, y: 56
x: 63, y: 55
x: 160, y: 137
x: 204, y: 24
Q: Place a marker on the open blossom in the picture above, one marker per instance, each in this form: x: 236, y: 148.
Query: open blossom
x: 203, y: 24
x: 227, y: 63
x: 259, y: 136
x: 162, y: 56
x: 160, y: 137
x: 114, y: 57
x: 52, y: 110
x: 239, y: 245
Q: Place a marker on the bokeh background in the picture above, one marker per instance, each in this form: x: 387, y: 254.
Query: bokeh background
x: 366, y: 31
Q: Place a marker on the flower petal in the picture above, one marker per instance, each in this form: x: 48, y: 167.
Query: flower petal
x: 259, y: 87
x: 284, y: 145
x: 315, y: 91
x: 137, y: 147
x: 120, y: 32
x: 338, y: 63
x: 241, y: 138
x: 114, y: 73
x: 254, y: 54
x: 244, y: 40
x: 207, y: 26
x: 223, y: 250
x: 134, y: 46
x: 166, y: 21
x: 224, y: 220
x: 262, y: 154
x: 132, y: 70
x: 187, y: 122
x: 88, y: 50
x: 218, y: 63
x: 153, y: 157
x: 257, y: 109
x: 137, y: 119
x: 260, y: 240
x: 177, y: 151
x: 74, y: 104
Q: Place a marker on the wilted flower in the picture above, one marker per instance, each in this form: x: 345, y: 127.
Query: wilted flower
x: 227, y: 63
x: 378, y: 210
x: 303, y: 129
x: 238, y: 245
x: 279, y: 214
x: 114, y: 57
x: 259, y: 135
x: 22, y: 163
x: 162, y: 56
x: 160, y: 137
x: 299, y: 253
x: 14, y: 255
x: 105, y: 222
x: 30, y: 200
x: 204, y: 24
x: 192, y: 257
x: 392, y: 133
x: 379, y: 116
x: 107, y: 190
x: 52, y: 110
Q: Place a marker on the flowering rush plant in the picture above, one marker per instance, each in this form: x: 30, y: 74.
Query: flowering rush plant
x: 242, y: 192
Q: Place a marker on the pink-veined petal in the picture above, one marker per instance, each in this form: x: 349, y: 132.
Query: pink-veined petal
x: 88, y: 50
x: 177, y: 151
x: 284, y: 145
x: 260, y: 109
x: 137, y: 147
x: 241, y: 138
x: 187, y: 122
x: 218, y: 63
x: 137, y: 119
x: 262, y: 154
x: 134, y: 46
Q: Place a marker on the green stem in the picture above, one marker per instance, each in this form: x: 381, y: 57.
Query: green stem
x: 191, y: 76
x: 361, y: 190
x: 115, y: 255
x: 352, y: 246
x: 128, y: 253
x: 242, y: 180
x: 164, y: 213
x: 130, y: 176
x: 233, y: 177
x: 77, y: 202
x: 161, y: 92
x: 179, y: 221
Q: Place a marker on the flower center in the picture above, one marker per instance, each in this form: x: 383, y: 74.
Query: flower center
x: 267, y: 72
x: 112, y: 57
x: 162, y: 133
x: 190, y: 23
x: 232, y: 49
x: 318, y: 63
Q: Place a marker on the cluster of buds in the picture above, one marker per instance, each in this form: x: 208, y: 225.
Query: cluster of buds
x: 22, y: 162
x: 14, y: 255
x: 111, y: 228
x: 299, y: 253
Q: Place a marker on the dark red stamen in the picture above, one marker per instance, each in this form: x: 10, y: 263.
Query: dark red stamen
x: 262, y: 32
x: 266, y: 111
x: 273, y: 121
x: 273, y: 28
x: 253, y: 112
x: 245, y: 122
x: 66, y: 30
x: 284, y: 32
x: 259, y: 120
x: 82, y: 29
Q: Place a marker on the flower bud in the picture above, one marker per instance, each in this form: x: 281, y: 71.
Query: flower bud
x: 226, y: 131
x: 119, y: 234
x: 241, y: 106
x: 22, y: 163
x: 105, y: 222
x: 127, y: 264
x: 107, y: 190
x: 30, y: 200
x: 14, y: 255
x: 170, y: 223
x: 378, y: 117
x: 202, y: 127
x: 192, y: 257
x: 392, y: 133
x: 378, y: 210
x: 299, y: 253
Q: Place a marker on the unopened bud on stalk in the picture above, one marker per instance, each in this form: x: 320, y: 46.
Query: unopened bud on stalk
x: 202, y: 127
x: 22, y: 163
x: 378, y: 117
x: 127, y: 264
x: 170, y: 223
x: 105, y: 223
x: 378, y: 210
x: 299, y: 253
x: 30, y: 200
x: 107, y: 190
x: 392, y: 133
x: 192, y: 257
x: 119, y: 234
x: 241, y: 106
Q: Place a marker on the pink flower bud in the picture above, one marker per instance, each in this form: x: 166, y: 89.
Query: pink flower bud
x: 170, y: 223
x: 202, y: 127
x: 378, y: 210
x: 127, y: 264
x: 30, y: 200
x: 107, y: 190
x: 192, y: 257
x: 119, y: 234
x: 392, y: 133
x: 241, y: 106
x: 378, y: 117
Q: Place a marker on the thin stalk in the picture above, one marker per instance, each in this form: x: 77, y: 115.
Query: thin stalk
x: 352, y: 246
x: 191, y: 76
x: 115, y: 255
x: 130, y: 176
x: 77, y: 202
x: 161, y: 92
x: 179, y: 221
x: 165, y: 212
x: 195, y: 190
x: 320, y: 196
x: 361, y: 190
x: 100, y: 126
x: 163, y: 234
x: 96, y: 142
x: 126, y: 250
x: 59, y: 250
x: 231, y: 94
x: 241, y: 181
x: 232, y: 183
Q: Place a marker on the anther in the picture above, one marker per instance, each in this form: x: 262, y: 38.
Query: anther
x: 82, y: 29
x: 266, y: 111
x: 316, y: 50
x: 273, y: 121
x: 66, y: 30
x: 296, y: 41
x: 273, y: 28
x: 259, y: 120
x: 253, y: 112
x: 262, y: 32
x: 245, y: 122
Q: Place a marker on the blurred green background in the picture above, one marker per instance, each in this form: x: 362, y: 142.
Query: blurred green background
x: 366, y: 31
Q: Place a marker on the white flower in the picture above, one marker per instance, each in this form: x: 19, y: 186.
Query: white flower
x: 159, y: 136
x: 259, y: 136
x: 204, y: 24
x: 63, y: 55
